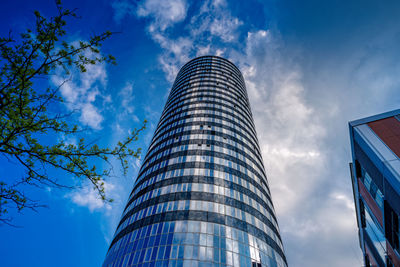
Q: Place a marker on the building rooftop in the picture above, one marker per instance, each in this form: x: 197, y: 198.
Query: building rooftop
x: 375, y: 117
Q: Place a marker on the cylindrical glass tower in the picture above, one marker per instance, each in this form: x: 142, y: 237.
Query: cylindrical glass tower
x: 201, y: 197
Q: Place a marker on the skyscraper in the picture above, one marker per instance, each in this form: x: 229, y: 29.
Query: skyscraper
x: 201, y: 197
x: 375, y: 173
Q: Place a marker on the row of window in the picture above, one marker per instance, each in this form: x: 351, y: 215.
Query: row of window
x: 205, y: 168
x: 204, y: 116
x: 232, y: 113
x: 210, y: 91
x: 246, y: 188
x: 216, y: 144
x: 173, y: 108
x: 192, y: 232
x: 212, y: 152
x: 194, y: 235
x: 209, y: 68
x: 211, y: 147
x: 199, y: 205
x: 240, y: 180
x: 223, y: 68
x: 202, y: 98
x: 372, y: 188
x: 214, y: 139
x: 197, y: 124
x: 182, y: 263
x: 220, y: 128
x: 375, y: 233
x: 186, y: 255
x: 209, y: 217
x: 213, y: 68
x: 201, y: 76
x: 201, y: 81
x: 258, y: 207
x: 204, y: 85
x: 198, y: 119
x: 209, y: 60
x: 167, y: 207
x: 221, y: 75
x: 211, y: 80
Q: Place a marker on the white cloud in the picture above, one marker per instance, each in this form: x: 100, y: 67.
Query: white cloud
x: 88, y: 197
x: 163, y: 13
x: 215, y: 19
x: 301, y: 108
x: 281, y: 114
x: 127, y: 96
x: 219, y: 52
x: 225, y: 27
x: 91, y: 116
x: 176, y: 52
x: 314, y: 213
x: 81, y: 91
x: 203, y: 50
x: 126, y: 111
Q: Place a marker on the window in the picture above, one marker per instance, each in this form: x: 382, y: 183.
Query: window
x: 392, y: 227
x: 372, y: 188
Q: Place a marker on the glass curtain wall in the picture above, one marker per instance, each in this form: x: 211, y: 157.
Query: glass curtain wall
x: 201, y: 197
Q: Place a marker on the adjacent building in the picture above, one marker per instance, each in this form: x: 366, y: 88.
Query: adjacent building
x: 201, y: 197
x: 375, y: 174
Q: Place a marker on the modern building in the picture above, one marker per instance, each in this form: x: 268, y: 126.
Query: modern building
x: 201, y: 197
x: 375, y: 175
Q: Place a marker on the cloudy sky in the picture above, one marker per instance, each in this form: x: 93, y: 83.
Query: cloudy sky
x: 310, y: 67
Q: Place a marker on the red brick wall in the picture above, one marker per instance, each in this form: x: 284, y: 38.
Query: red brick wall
x: 388, y: 130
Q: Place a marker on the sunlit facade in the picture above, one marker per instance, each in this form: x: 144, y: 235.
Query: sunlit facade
x: 375, y: 173
x: 201, y: 197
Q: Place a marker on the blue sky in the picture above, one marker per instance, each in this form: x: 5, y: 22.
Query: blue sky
x: 310, y: 67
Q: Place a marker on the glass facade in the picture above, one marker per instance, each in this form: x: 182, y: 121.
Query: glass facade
x: 201, y: 197
x: 375, y: 173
